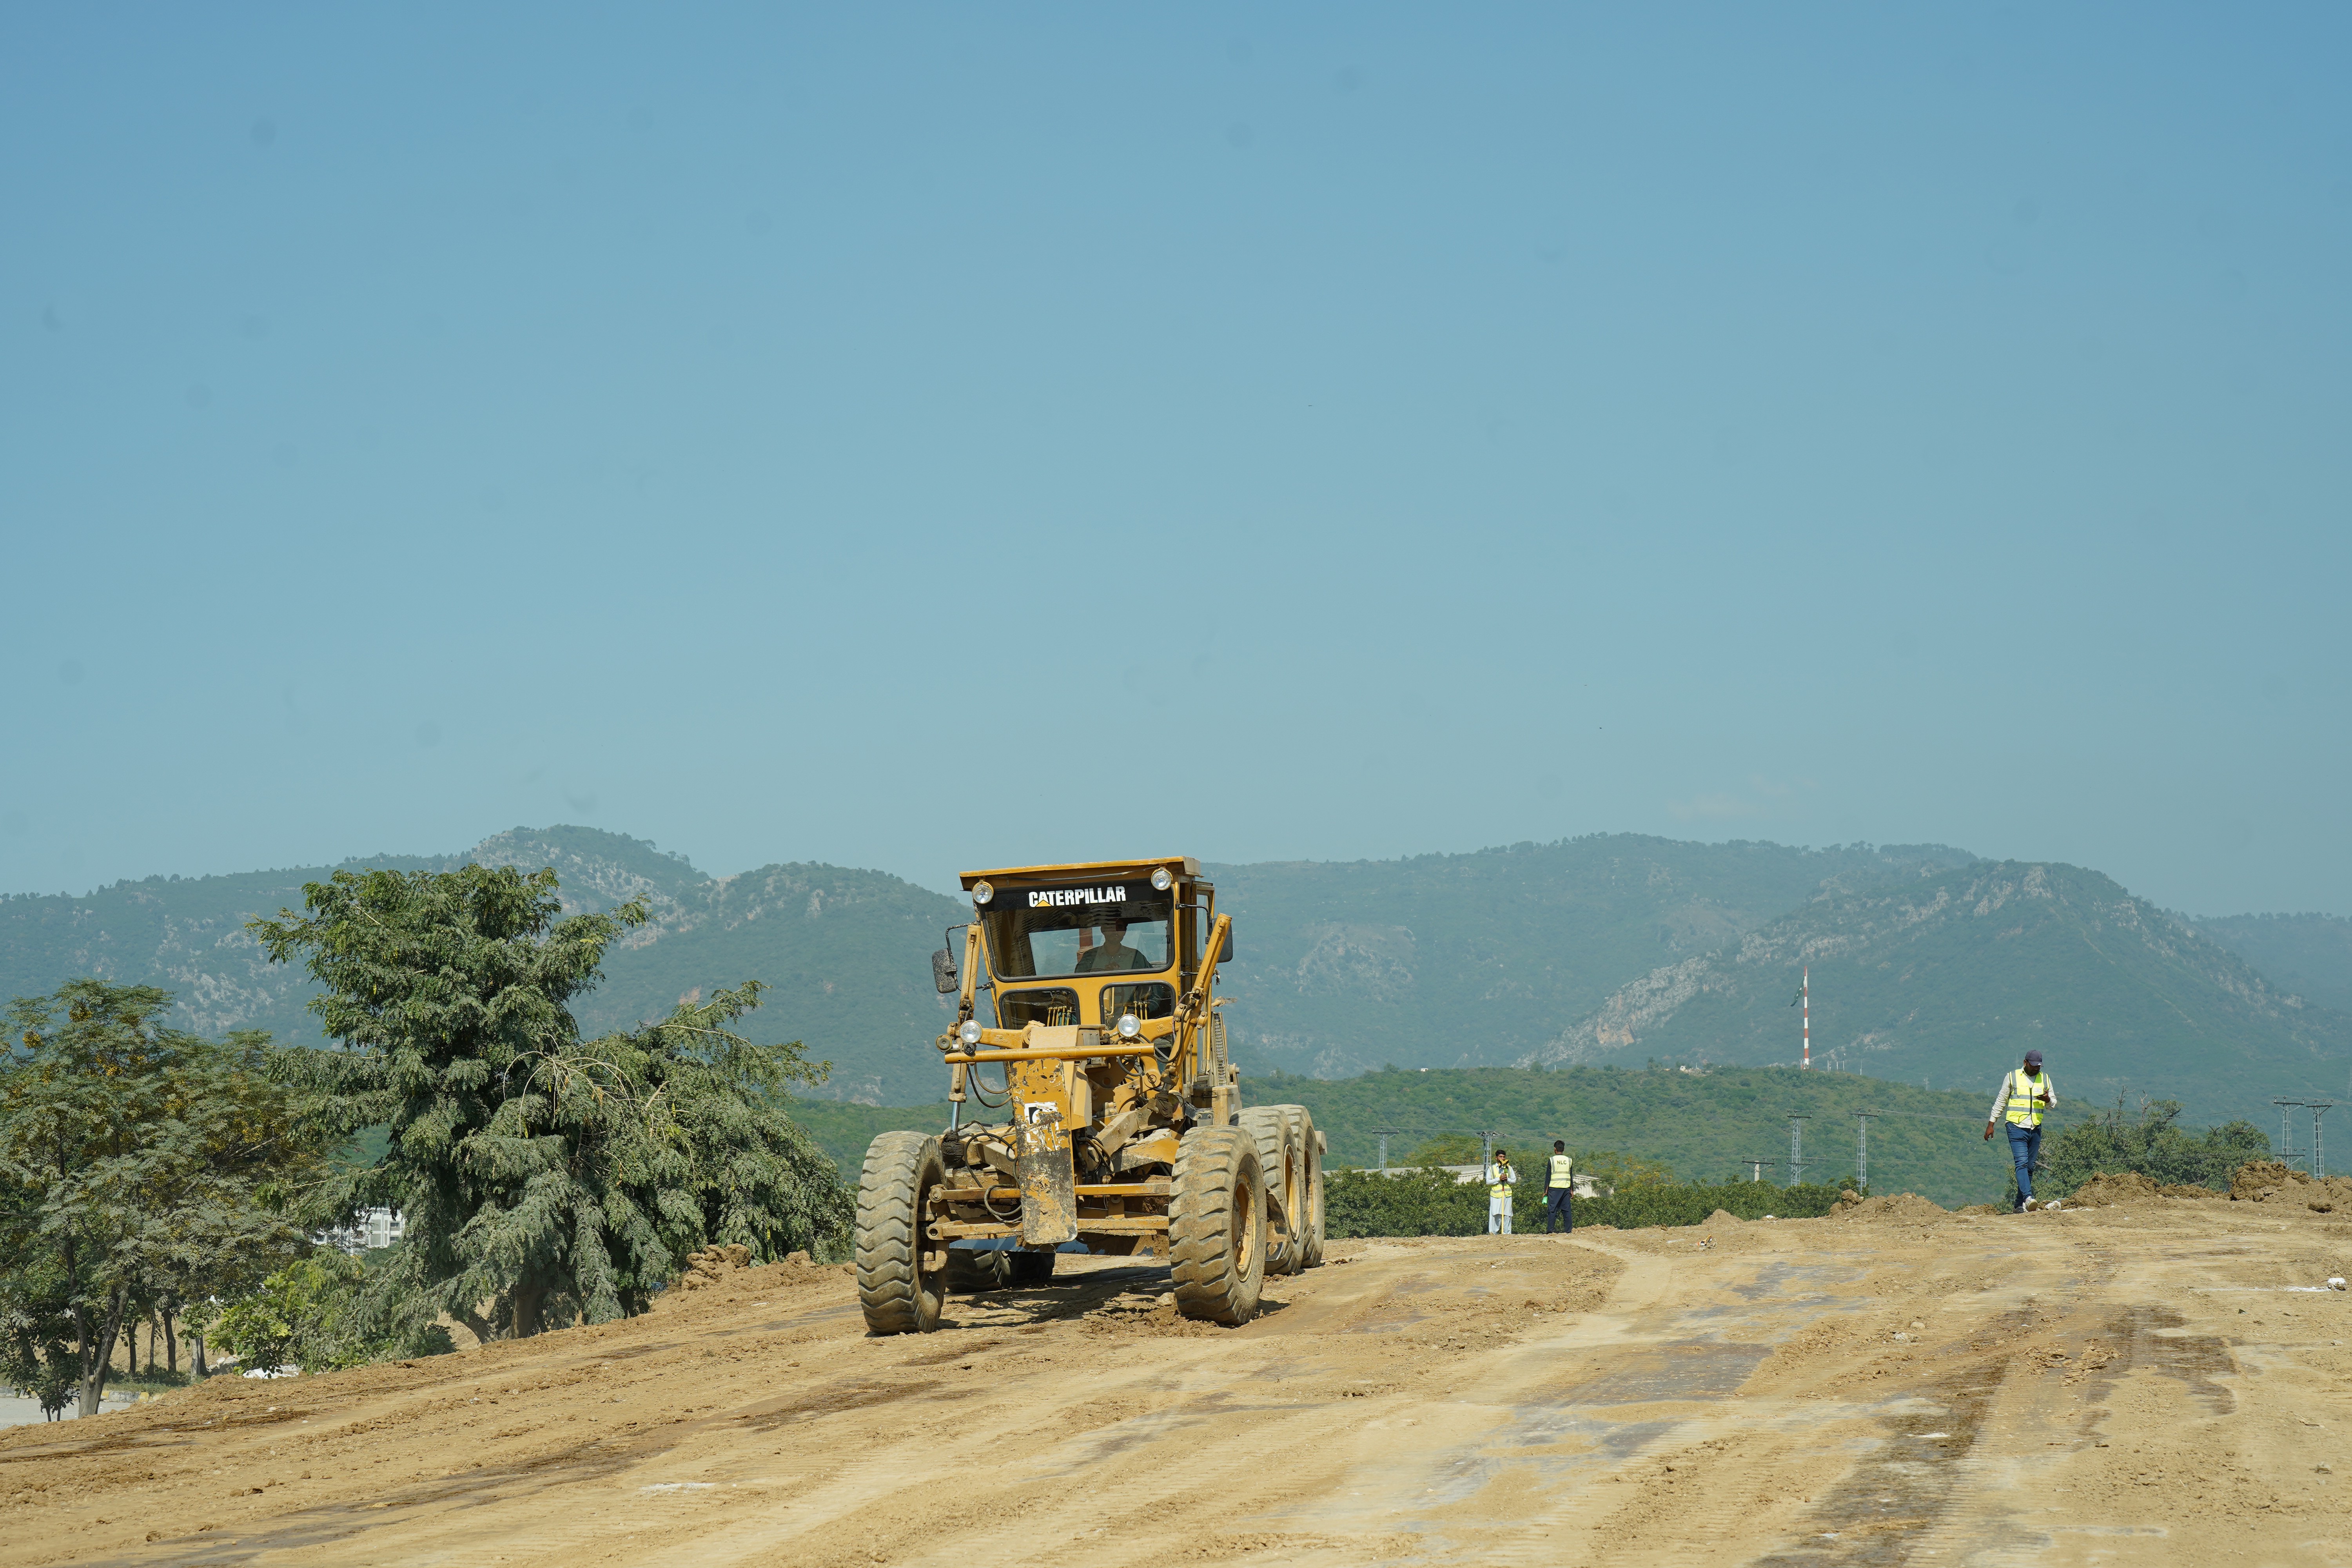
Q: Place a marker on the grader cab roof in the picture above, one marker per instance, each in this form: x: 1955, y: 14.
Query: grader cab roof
x: 1177, y: 865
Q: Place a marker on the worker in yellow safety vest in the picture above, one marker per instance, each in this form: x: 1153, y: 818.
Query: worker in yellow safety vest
x: 2023, y: 1099
x: 1560, y: 1188
x: 1499, y: 1195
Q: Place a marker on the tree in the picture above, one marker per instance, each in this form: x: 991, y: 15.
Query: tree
x: 541, y: 1175
x: 134, y: 1160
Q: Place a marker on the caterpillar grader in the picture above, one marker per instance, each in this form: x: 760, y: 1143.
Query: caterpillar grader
x: 1090, y: 1044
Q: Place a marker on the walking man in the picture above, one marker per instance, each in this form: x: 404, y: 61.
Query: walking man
x: 1499, y: 1177
x: 2023, y: 1099
x: 1560, y: 1190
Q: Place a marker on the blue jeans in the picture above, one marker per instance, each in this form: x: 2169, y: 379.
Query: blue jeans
x: 2025, y: 1147
x: 1557, y: 1202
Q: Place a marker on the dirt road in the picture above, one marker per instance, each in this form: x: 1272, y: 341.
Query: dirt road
x: 2121, y: 1386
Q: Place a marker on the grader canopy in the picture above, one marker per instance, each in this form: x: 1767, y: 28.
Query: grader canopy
x: 1091, y: 1048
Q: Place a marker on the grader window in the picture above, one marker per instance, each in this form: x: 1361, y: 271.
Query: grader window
x: 1052, y: 1005
x: 1099, y: 928
x: 1146, y: 1001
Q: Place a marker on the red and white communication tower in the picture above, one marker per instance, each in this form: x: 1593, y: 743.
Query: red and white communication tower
x: 1805, y: 995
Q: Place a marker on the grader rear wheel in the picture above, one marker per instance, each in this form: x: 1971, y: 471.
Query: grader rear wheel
x: 971, y: 1270
x: 1275, y: 1129
x: 1310, y: 1144
x: 898, y: 1293
x: 1216, y: 1226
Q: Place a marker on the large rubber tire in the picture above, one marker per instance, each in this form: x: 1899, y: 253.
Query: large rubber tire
x: 898, y: 1294
x: 1275, y: 1129
x: 1216, y: 1226
x: 971, y: 1270
x: 1310, y: 1144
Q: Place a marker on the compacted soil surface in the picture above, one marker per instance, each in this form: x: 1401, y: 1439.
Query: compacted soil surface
x: 2164, y: 1381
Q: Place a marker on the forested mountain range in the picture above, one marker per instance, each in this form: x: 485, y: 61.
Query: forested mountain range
x: 1478, y: 960
x: 2309, y: 956
x: 1963, y: 970
x: 1928, y: 963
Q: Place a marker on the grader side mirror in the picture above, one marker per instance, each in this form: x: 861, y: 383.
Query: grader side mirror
x: 1225, y: 953
x: 943, y: 970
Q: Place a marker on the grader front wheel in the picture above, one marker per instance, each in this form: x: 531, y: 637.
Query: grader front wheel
x: 1216, y: 1226
x: 898, y: 1293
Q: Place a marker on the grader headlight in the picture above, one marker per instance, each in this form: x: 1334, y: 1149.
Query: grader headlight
x: 982, y: 892
x: 1129, y: 1026
x: 1161, y: 878
x: 969, y: 1033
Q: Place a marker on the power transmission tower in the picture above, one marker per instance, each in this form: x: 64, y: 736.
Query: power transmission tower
x: 2318, y: 1108
x: 1862, y: 1149
x: 1796, y: 1147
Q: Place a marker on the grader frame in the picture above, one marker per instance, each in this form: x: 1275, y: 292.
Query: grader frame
x: 1124, y: 1126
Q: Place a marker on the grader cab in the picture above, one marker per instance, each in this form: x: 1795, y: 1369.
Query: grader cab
x: 1090, y: 1046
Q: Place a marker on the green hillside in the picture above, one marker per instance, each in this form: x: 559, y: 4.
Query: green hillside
x: 848, y: 951
x: 1950, y: 978
x: 184, y: 933
x: 187, y: 934
x: 2308, y: 956
x: 1451, y: 959
x: 1478, y: 960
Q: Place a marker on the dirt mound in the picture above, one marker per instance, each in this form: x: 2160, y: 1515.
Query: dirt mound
x: 2257, y: 1180
x: 1895, y: 1208
x: 2272, y: 1181
x: 712, y: 1265
x: 2125, y: 1189
x: 1725, y: 1218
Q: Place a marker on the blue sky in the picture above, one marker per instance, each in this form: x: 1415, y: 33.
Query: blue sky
x: 925, y: 437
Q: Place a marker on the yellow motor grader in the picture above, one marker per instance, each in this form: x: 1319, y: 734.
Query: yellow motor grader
x: 1090, y: 1041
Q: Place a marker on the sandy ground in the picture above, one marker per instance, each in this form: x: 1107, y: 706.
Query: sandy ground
x: 2120, y: 1385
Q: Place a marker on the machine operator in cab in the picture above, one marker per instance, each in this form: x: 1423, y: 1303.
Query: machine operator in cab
x: 1113, y: 953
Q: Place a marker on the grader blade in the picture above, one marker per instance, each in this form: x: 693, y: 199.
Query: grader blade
x: 1042, y: 1163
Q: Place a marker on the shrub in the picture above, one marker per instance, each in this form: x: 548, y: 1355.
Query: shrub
x: 320, y: 1314
x: 1431, y: 1203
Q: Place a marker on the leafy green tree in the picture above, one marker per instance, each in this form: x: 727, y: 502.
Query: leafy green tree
x: 321, y: 1315
x: 133, y: 1159
x: 543, y: 1177
x: 39, y: 1356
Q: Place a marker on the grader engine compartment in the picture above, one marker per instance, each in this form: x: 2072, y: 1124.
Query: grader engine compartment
x: 1094, y: 1102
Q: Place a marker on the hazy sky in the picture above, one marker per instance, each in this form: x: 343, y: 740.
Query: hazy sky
x: 929, y: 437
